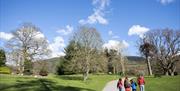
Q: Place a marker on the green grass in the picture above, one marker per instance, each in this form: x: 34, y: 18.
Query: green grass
x: 5, y: 70
x: 75, y: 83
x: 54, y: 83
x: 165, y: 83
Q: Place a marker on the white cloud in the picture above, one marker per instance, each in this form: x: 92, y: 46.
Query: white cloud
x: 39, y: 35
x: 112, y: 35
x: 125, y: 44
x: 5, y: 36
x: 68, y: 29
x: 116, y: 45
x: 164, y: 2
x: 138, y: 30
x: 56, y: 46
x: 98, y: 14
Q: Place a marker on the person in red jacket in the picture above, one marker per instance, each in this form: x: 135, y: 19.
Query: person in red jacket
x: 141, y: 83
x: 120, y: 84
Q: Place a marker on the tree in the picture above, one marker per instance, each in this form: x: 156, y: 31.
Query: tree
x: 2, y: 57
x: 115, y: 61
x: 146, y: 49
x: 114, y: 53
x: 30, y: 43
x: 167, y: 48
x: 84, y: 46
x: 70, y: 63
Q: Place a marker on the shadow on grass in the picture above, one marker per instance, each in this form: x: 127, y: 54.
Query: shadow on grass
x: 70, y: 77
x: 39, y: 85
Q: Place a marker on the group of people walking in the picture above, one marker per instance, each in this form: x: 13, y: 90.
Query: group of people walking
x: 128, y: 85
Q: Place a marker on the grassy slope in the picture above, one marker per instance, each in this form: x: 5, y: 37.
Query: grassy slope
x: 75, y: 83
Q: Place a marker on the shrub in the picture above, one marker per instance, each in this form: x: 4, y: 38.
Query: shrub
x: 131, y: 72
x: 43, y: 72
x: 5, y: 70
x: 27, y: 72
x: 157, y: 75
x: 175, y: 73
x: 60, y: 71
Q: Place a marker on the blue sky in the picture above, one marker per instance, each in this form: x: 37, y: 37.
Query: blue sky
x: 114, y: 19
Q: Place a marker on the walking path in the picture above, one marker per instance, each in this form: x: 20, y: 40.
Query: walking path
x: 112, y: 85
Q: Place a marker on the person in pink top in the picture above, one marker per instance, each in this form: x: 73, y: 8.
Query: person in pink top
x: 120, y: 84
x: 141, y: 83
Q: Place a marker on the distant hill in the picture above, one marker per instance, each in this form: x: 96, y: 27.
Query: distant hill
x: 49, y: 64
x: 135, y: 58
x: 135, y: 65
x: 53, y: 59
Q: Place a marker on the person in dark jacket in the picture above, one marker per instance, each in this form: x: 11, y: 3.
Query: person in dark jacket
x: 127, y: 85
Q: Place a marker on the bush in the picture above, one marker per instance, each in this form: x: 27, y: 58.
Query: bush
x: 157, y: 75
x: 60, y: 71
x: 5, y: 70
x: 131, y: 72
x: 27, y: 72
x: 43, y: 72
x: 175, y: 73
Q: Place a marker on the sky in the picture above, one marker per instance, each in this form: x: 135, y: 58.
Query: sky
x: 120, y: 22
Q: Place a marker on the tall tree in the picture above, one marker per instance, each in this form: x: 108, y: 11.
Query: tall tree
x: 167, y: 45
x: 2, y: 57
x: 31, y: 44
x: 90, y: 44
x: 115, y: 61
x: 146, y: 49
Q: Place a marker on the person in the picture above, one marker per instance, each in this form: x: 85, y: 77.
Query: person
x: 120, y: 85
x: 127, y: 85
x: 133, y: 85
x: 141, y: 83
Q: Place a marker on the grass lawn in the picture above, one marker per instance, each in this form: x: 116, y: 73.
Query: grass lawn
x: 163, y: 84
x: 75, y: 83
x: 54, y: 83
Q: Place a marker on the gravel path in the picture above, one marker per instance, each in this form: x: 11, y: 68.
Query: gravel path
x: 112, y: 85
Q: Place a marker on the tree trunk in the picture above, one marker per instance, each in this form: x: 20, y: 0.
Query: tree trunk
x: 86, y: 72
x: 85, y: 75
x: 166, y: 73
x: 149, y: 66
x: 122, y: 65
x: 173, y: 70
x: 114, y: 69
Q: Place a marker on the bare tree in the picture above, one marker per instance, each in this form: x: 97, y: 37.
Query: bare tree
x: 90, y: 44
x: 30, y: 42
x: 115, y: 61
x: 167, y: 46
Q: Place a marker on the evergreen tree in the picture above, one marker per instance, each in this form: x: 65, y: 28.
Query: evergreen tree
x: 2, y: 57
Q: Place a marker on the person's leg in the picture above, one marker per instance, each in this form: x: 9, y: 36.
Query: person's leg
x: 143, y: 88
